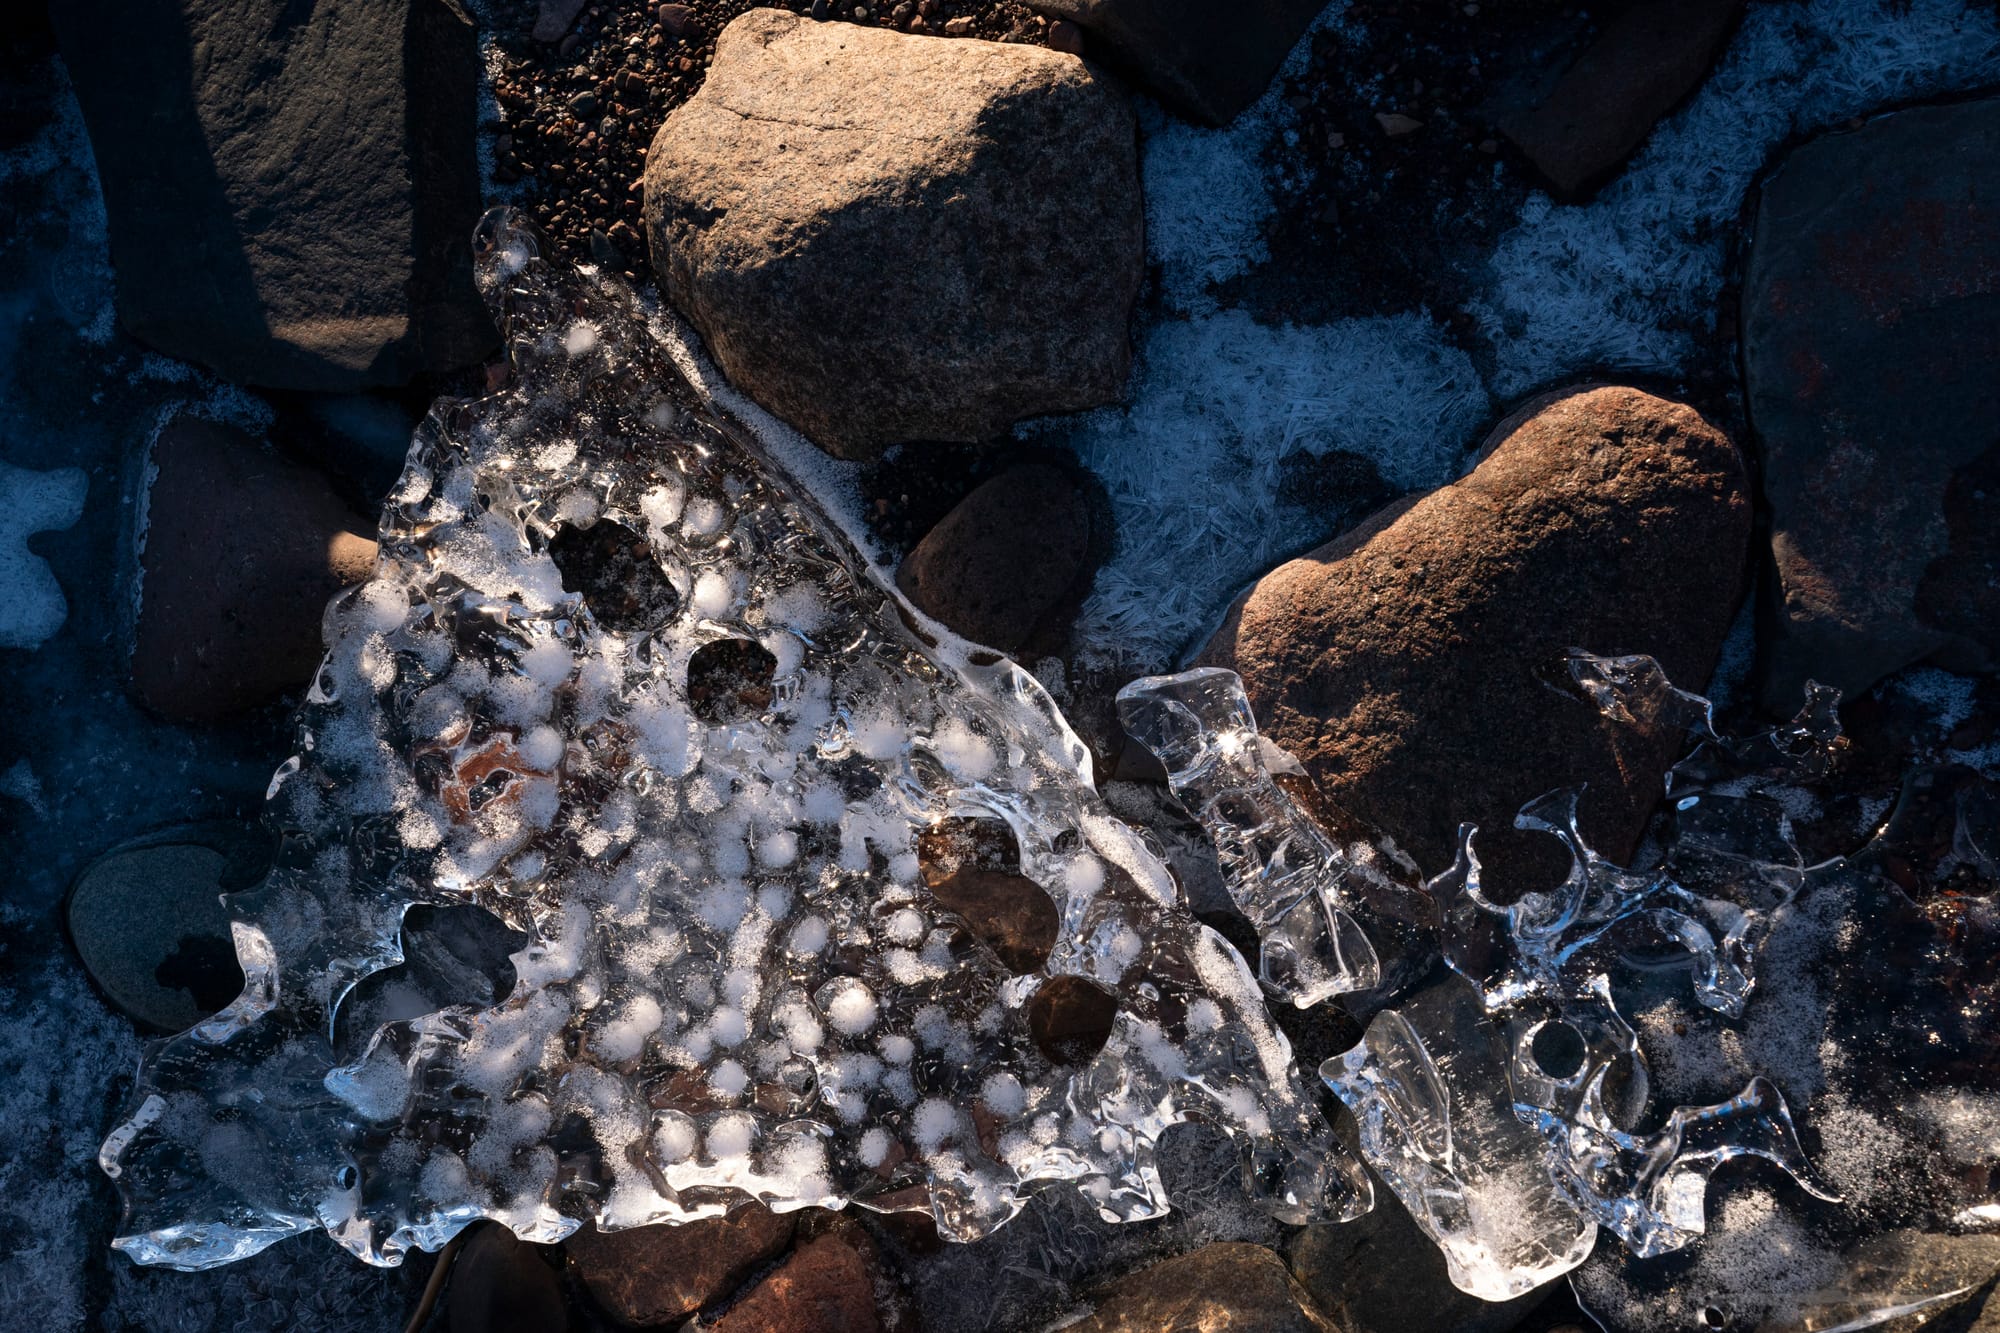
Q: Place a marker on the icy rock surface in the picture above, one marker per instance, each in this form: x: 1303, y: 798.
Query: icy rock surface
x: 617, y: 683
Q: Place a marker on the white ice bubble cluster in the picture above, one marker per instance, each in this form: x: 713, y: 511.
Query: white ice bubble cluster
x: 618, y: 683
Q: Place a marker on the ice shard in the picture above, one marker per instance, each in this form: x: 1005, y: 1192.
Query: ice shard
x: 619, y: 683
x: 1284, y: 873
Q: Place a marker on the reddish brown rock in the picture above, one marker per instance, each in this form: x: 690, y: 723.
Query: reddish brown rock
x: 242, y: 550
x: 1407, y: 663
x: 1009, y: 564
x: 827, y: 1286
x: 1646, y: 59
x: 1217, y: 1287
x: 650, y: 1277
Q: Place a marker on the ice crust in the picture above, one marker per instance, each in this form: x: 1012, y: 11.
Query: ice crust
x: 737, y: 985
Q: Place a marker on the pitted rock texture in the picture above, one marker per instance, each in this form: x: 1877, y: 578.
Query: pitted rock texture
x: 1207, y: 61
x: 886, y: 238
x: 1643, y: 62
x: 1009, y: 563
x: 1871, y: 354
x: 1409, y: 663
x: 1222, y: 1286
x: 654, y: 1277
x: 291, y: 195
x: 827, y: 1285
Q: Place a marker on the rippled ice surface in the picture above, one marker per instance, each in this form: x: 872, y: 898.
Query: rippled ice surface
x: 615, y: 683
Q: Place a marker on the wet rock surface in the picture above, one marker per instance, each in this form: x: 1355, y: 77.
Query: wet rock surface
x: 884, y: 239
x: 1221, y: 1286
x: 1206, y: 61
x: 1010, y: 562
x: 1640, y: 65
x: 247, y: 238
x: 1871, y: 333
x: 242, y: 548
x: 1414, y: 655
x: 653, y: 1277
x: 827, y: 1285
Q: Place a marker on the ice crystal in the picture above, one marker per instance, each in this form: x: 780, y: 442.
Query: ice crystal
x: 619, y: 684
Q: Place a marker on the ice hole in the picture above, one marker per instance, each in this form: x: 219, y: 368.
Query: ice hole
x: 1558, y: 1049
x: 1070, y: 1018
x: 452, y: 955
x: 729, y: 680
x: 966, y: 842
x: 615, y: 571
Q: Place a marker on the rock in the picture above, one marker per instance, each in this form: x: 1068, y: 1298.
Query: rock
x: 888, y: 238
x: 1647, y: 58
x: 1010, y: 563
x: 1221, y: 1286
x: 1395, y: 124
x: 827, y: 1286
x: 1207, y: 61
x: 651, y: 1277
x: 502, y: 1284
x: 1010, y: 912
x: 147, y: 920
x: 242, y: 549
x: 1406, y: 662
x: 247, y: 236
x: 679, y: 21
x: 1380, y: 1274
x: 1871, y: 338
x: 554, y: 19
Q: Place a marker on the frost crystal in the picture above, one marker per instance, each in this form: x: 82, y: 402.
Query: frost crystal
x: 617, y: 683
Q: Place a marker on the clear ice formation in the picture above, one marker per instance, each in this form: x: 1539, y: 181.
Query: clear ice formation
x: 617, y: 682
x: 1284, y: 873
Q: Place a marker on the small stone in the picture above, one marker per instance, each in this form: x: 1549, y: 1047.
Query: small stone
x: 1007, y: 562
x: 1395, y: 124
x: 583, y: 105
x: 554, y: 19
x: 243, y: 549
x: 958, y: 27
x: 827, y: 1286
x: 602, y: 251
x: 148, y: 923
x: 1066, y: 37
x: 652, y: 1277
x: 678, y: 21
x: 1411, y: 656
x: 502, y: 1284
x: 1222, y: 1286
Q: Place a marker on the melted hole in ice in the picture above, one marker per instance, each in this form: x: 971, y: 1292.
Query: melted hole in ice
x: 966, y: 842
x: 1558, y: 1049
x: 614, y: 570
x: 1010, y: 913
x: 452, y: 955
x: 1070, y: 1018
x: 730, y: 680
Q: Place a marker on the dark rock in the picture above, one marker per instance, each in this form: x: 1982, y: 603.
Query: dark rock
x: 1010, y: 912
x: 1009, y: 564
x: 827, y: 1286
x: 886, y: 238
x: 554, y: 18
x: 242, y: 550
x: 1408, y: 663
x: 1070, y: 1018
x: 1871, y: 356
x: 650, y: 1277
x: 679, y: 21
x: 291, y: 191
x: 502, y: 1284
x: 1207, y: 61
x: 1222, y: 1286
x: 1646, y: 59
x: 147, y: 920
x: 1380, y: 1274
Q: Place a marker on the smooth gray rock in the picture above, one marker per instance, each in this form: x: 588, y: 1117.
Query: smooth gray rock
x: 886, y: 238
x: 291, y: 189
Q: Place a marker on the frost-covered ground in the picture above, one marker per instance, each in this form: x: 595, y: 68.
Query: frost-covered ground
x: 1628, y: 282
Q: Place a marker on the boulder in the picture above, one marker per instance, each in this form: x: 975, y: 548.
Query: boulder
x: 826, y: 1286
x: 502, y: 1284
x: 1010, y: 563
x: 887, y: 238
x: 1871, y: 358
x: 241, y: 550
x: 1647, y: 58
x: 1221, y: 1286
x: 291, y: 190
x: 652, y: 1277
x: 1410, y: 663
x: 1207, y: 61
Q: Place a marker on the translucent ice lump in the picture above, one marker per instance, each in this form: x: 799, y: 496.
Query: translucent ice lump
x: 619, y: 683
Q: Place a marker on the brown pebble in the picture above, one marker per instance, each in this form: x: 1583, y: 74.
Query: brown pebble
x: 1066, y: 37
